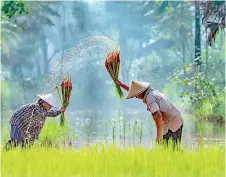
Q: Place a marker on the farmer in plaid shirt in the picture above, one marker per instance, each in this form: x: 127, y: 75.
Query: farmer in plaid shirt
x: 28, y: 120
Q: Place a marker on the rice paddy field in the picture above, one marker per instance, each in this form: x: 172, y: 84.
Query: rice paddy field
x: 55, y: 155
x: 101, y: 160
x: 87, y: 53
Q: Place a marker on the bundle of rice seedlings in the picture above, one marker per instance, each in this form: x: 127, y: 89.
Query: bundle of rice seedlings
x: 112, y: 64
x: 66, y: 88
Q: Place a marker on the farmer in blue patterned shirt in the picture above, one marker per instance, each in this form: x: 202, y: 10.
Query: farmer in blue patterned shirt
x: 28, y: 120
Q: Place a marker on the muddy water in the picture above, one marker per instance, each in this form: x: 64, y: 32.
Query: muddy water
x: 97, y: 129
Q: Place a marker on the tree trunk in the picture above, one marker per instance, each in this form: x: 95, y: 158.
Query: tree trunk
x: 197, y: 35
x: 183, y: 55
x: 207, y: 55
x: 183, y: 33
x: 197, y: 58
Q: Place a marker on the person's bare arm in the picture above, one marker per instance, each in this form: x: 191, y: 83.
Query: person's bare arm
x: 157, y: 116
x: 119, y: 83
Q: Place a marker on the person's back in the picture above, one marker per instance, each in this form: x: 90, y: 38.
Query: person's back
x: 168, y: 120
x: 156, y: 101
x: 21, y: 114
x: 163, y: 102
x: 28, y: 120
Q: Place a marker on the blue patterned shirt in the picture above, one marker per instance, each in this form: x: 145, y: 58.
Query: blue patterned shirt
x: 30, y: 119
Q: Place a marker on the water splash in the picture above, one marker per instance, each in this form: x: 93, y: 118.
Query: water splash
x: 75, y: 60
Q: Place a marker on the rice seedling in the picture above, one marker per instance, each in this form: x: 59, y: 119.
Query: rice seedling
x: 106, y: 129
x: 134, y: 131
x: 113, y: 122
x: 141, y: 130
x: 87, y: 129
x: 113, y: 161
x: 129, y: 132
x: 149, y: 126
x: 53, y: 134
x: 122, y: 129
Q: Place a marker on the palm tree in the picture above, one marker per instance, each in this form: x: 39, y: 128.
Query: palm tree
x: 213, y: 17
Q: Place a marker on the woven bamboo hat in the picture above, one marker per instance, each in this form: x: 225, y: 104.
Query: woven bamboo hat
x: 137, y: 88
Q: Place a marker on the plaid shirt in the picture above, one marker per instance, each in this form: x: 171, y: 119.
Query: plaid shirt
x: 30, y: 119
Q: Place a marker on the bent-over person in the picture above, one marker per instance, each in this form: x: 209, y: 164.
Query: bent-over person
x: 168, y: 119
x: 28, y: 120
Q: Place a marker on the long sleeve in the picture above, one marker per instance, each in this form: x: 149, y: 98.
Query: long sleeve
x: 52, y: 113
x: 22, y: 114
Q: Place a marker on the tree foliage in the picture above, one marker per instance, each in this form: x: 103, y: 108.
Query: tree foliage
x: 12, y: 9
x: 155, y: 37
x: 213, y: 17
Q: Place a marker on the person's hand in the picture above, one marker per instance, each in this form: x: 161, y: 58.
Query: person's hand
x: 62, y: 109
x: 118, y: 82
x: 159, y: 139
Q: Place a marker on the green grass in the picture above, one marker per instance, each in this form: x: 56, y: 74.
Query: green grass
x: 103, y: 161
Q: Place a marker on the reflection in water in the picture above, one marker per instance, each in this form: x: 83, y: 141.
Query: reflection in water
x: 131, y: 130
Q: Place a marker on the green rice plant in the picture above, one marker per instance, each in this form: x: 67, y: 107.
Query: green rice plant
x: 129, y: 132
x: 124, y: 130
x: 120, y: 127
x: 150, y: 120
x: 53, y: 134
x: 5, y: 126
x: 5, y: 134
x: 102, y: 161
x: 134, y: 131
x: 74, y: 135
x: 88, y: 130
x: 106, y: 129
x: 114, y: 129
x: 141, y: 130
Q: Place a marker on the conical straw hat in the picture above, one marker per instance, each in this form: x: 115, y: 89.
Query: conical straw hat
x: 137, y: 88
